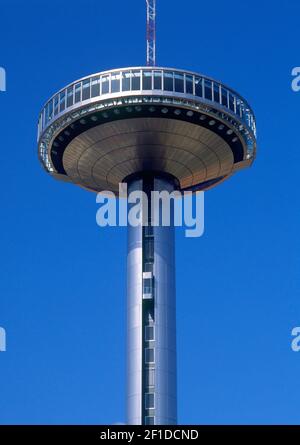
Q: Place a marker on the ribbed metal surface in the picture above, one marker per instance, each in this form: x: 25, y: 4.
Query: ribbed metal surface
x: 100, y: 158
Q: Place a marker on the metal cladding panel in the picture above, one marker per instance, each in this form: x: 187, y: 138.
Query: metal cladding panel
x: 165, y: 320
x: 134, y: 320
x: 103, y: 156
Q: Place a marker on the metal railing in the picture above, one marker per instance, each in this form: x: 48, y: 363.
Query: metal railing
x: 153, y: 81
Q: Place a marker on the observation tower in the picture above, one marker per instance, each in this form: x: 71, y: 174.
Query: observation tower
x: 156, y: 129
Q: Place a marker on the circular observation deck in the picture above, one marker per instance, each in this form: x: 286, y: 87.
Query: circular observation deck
x: 102, y: 128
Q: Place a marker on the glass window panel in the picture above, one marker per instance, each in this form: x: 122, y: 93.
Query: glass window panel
x: 95, y: 86
x: 198, y: 86
x: 168, y: 81
x: 147, y: 80
x: 46, y: 113
x: 238, y: 107
x: 242, y: 110
x: 149, y: 355
x: 115, y: 82
x: 150, y: 377
x: 149, y: 400
x: 86, y: 89
x: 149, y: 249
x: 248, y: 117
x: 149, y: 333
x: 157, y: 80
x: 147, y: 285
x: 179, y: 83
x: 208, y: 89
x: 216, y: 92
x: 77, y: 93
x: 224, y: 97
x: 126, y: 81
x: 105, y: 84
x: 62, y: 101
x: 70, y: 96
x: 148, y: 267
x: 231, y: 101
x: 189, y: 85
x: 50, y: 110
x: 56, y: 100
x: 40, y: 123
x: 136, y: 80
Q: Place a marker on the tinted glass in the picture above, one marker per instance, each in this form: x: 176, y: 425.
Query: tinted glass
x: 231, y: 102
x: 115, y: 82
x: 56, y: 105
x: 168, y: 81
x: 86, y: 91
x: 95, y: 86
x: 216, y: 93
x: 157, y: 80
x: 189, y: 85
x: 150, y: 377
x: 179, y: 84
x: 69, y: 96
x: 77, y: 92
x: 126, y: 82
x: 147, y: 80
x: 224, y: 97
x: 136, y: 80
x: 149, y: 357
x: 149, y: 400
x: 198, y: 86
x: 105, y: 84
x: 149, y: 333
x: 62, y: 101
x: 208, y: 89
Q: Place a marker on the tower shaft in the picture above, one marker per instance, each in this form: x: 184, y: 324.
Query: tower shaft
x: 151, y: 315
x: 151, y: 32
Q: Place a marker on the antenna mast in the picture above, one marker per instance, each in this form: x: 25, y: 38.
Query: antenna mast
x: 151, y: 32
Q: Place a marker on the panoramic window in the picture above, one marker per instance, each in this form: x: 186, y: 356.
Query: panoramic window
x: 136, y: 80
x: 115, y: 82
x: 231, y: 102
x: 126, y: 81
x: 179, y: 83
x: 208, y: 89
x: 189, y: 84
x: 70, y: 96
x: 95, y: 86
x: 216, y: 92
x: 157, y: 80
x: 86, y: 89
x: 198, y: 86
x: 62, y: 101
x: 168, y: 81
x: 238, y: 106
x: 49, y: 109
x: 224, y: 97
x: 105, y: 84
x: 147, y: 80
x: 56, y: 105
x: 77, y: 92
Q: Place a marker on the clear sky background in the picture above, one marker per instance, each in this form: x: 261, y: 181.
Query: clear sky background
x: 62, y: 286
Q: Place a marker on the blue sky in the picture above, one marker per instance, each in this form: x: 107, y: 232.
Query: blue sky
x: 62, y: 285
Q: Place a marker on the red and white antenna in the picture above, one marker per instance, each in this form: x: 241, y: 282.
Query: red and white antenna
x: 151, y: 32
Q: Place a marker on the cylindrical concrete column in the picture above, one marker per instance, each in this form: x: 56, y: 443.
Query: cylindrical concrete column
x: 151, y: 312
